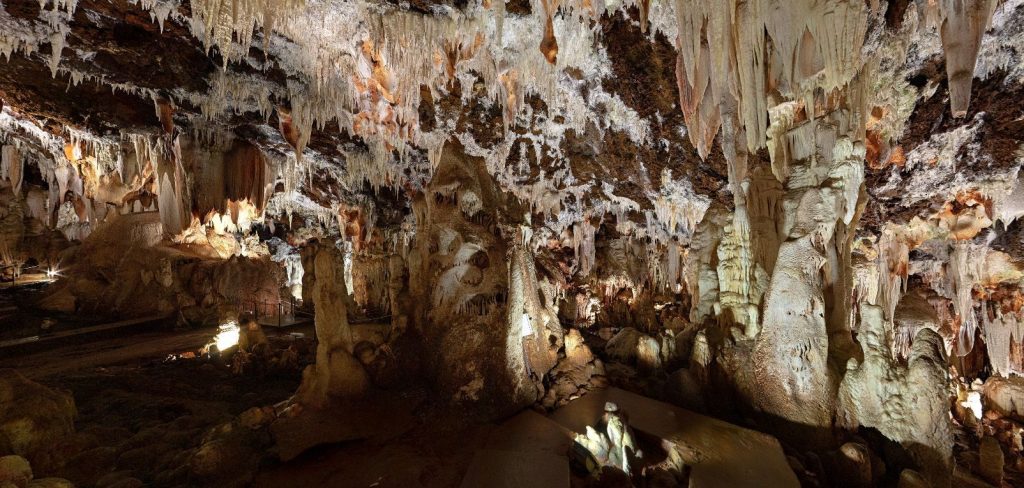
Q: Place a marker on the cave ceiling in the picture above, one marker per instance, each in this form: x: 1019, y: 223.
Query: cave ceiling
x: 582, y: 112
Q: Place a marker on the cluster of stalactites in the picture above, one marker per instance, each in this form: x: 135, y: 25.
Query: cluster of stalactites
x: 225, y: 21
x: 86, y: 177
x: 966, y: 267
x: 1004, y: 340
x: 735, y: 59
x: 17, y: 35
x: 739, y: 61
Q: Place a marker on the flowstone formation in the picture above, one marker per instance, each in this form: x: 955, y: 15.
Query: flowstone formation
x: 905, y: 402
x: 800, y: 215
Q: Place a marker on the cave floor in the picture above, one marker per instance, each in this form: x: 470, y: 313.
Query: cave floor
x: 142, y: 410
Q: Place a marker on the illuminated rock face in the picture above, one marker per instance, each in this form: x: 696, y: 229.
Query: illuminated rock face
x: 488, y: 335
x: 906, y: 403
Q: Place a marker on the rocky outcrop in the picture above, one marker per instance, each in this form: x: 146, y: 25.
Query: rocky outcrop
x: 1005, y: 396
x: 127, y: 268
x: 577, y: 372
x: 15, y: 470
x: 906, y: 403
x: 489, y: 339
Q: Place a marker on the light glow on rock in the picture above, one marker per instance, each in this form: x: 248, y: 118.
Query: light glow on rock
x: 973, y: 402
x: 227, y: 336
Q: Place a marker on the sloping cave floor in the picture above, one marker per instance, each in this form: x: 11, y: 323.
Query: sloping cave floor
x: 147, y: 402
x: 145, y: 409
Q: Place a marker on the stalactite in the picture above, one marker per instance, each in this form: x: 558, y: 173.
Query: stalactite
x: 817, y: 46
x: 1002, y: 334
x: 549, y: 45
x: 963, y: 23
x: 893, y: 266
x: 966, y: 267
x: 172, y: 194
x: 583, y: 245
x: 11, y: 166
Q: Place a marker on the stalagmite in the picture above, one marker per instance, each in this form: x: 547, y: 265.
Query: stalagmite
x: 337, y: 374
x: 907, y: 403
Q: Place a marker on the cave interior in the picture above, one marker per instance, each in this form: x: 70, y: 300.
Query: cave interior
x: 522, y: 243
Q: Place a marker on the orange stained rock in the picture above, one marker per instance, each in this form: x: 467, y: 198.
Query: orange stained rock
x: 73, y: 152
x: 872, y: 145
x: 80, y: 209
x: 287, y: 127
x: 549, y: 45
x: 974, y: 197
x: 456, y: 52
x: 962, y: 221
x: 1007, y: 297
x: 166, y: 115
x: 897, y: 157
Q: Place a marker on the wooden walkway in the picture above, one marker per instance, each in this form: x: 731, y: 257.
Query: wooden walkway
x: 79, y: 331
x: 719, y: 454
x: 25, y: 280
x: 282, y: 321
x: 527, y: 450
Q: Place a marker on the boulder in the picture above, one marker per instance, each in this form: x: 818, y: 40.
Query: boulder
x: 34, y: 420
x: 991, y: 461
x: 256, y: 417
x: 912, y: 479
x: 87, y: 467
x: 632, y: 346
x: 15, y: 470
x: 683, y: 389
x: 854, y: 465
x: 1005, y: 396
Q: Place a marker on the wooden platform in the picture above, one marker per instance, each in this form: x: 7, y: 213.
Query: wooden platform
x: 26, y: 279
x: 283, y: 321
x: 720, y: 454
x: 529, y: 450
x: 79, y: 331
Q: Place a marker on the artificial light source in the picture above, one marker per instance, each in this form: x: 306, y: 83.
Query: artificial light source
x: 227, y: 335
x: 973, y: 403
x: 52, y: 273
